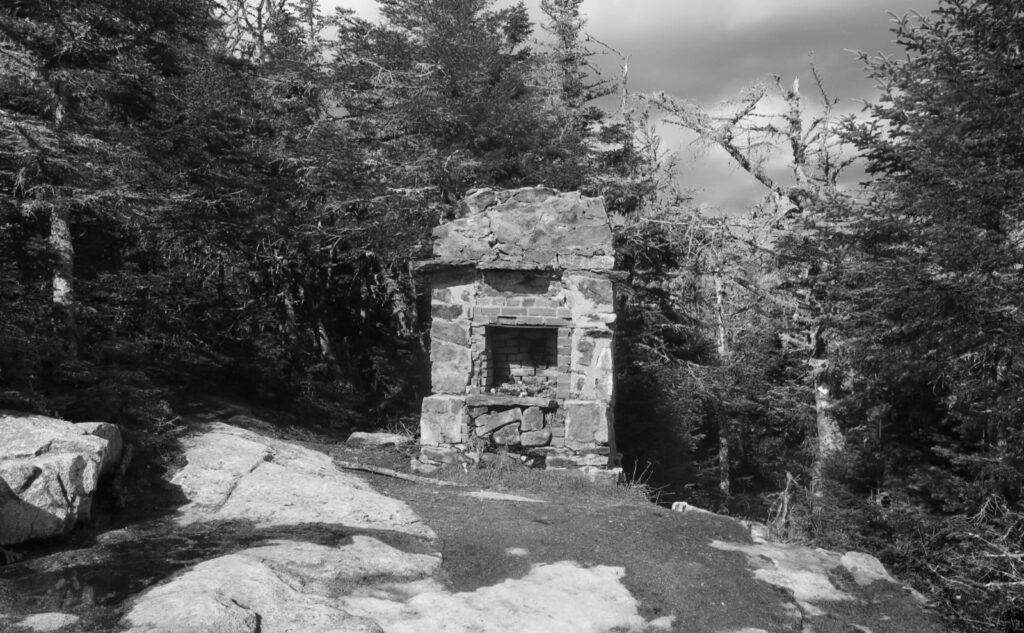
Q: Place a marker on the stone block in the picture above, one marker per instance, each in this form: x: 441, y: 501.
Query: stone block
x: 591, y: 460
x: 553, y: 321
x: 446, y: 404
x: 507, y: 435
x: 584, y: 352
x: 597, y: 290
x: 422, y: 468
x: 450, y: 367
x: 440, y: 455
x: 445, y: 311
x: 455, y: 332
x: 559, y: 461
x: 592, y: 361
x: 541, y: 312
x: 587, y: 422
x: 359, y: 439
x: 437, y: 429
x: 535, y: 438
x: 442, y: 420
x: 602, y: 475
x: 490, y: 422
x: 533, y: 419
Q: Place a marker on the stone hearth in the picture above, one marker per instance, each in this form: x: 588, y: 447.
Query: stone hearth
x: 522, y: 309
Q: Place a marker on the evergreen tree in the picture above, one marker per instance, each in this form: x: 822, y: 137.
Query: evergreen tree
x: 935, y: 304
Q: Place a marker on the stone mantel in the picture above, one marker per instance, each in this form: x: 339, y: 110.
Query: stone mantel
x: 499, y: 400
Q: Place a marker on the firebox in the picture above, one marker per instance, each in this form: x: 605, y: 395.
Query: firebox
x: 521, y: 360
x: 522, y: 324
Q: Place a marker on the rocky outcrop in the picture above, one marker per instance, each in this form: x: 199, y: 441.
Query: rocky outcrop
x: 565, y: 596
x: 49, y: 471
x: 361, y: 585
x: 283, y: 587
x: 234, y: 474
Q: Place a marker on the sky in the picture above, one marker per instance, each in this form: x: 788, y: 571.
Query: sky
x: 707, y: 51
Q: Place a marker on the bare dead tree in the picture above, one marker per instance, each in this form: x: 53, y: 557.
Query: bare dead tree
x: 796, y: 204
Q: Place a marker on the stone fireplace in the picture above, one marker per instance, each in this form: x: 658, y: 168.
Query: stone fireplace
x: 522, y: 320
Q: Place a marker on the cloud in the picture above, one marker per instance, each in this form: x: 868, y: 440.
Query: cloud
x: 708, y: 51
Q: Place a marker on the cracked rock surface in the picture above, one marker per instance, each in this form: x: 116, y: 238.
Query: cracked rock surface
x: 359, y: 585
x: 237, y: 474
x: 49, y: 470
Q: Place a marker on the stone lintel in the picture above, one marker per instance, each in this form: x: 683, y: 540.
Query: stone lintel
x: 499, y: 400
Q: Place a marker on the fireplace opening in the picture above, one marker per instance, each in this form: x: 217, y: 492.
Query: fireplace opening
x: 522, y: 361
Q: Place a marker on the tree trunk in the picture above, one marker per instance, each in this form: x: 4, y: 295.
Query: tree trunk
x: 63, y: 281
x: 401, y: 307
x: 725, y: 424
x: 724, y: 468
x: 293, y: 339
x: 327, y: 354
x: 830, y: 438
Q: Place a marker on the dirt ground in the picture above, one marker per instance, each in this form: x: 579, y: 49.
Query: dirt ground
x: 670, y: 567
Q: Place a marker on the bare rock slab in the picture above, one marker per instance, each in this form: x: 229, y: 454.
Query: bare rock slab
x: 46, y: 622
x: 281, y: 587
x: 236, y: 474
x: 563, y: 596
x: 49, y: 470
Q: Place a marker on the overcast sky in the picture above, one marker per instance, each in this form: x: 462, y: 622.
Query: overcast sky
x: 707, y: 51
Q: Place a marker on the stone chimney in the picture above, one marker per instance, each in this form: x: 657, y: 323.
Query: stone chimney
x: 522, y: 321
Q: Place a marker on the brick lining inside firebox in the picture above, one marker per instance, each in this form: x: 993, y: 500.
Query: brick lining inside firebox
x: 522, y: 360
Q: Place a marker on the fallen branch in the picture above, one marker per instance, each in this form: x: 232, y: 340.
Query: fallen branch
x: 387, y: 472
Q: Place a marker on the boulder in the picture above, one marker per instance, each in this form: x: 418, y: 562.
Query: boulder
x: 865, y: 568
x: 49, y: 471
